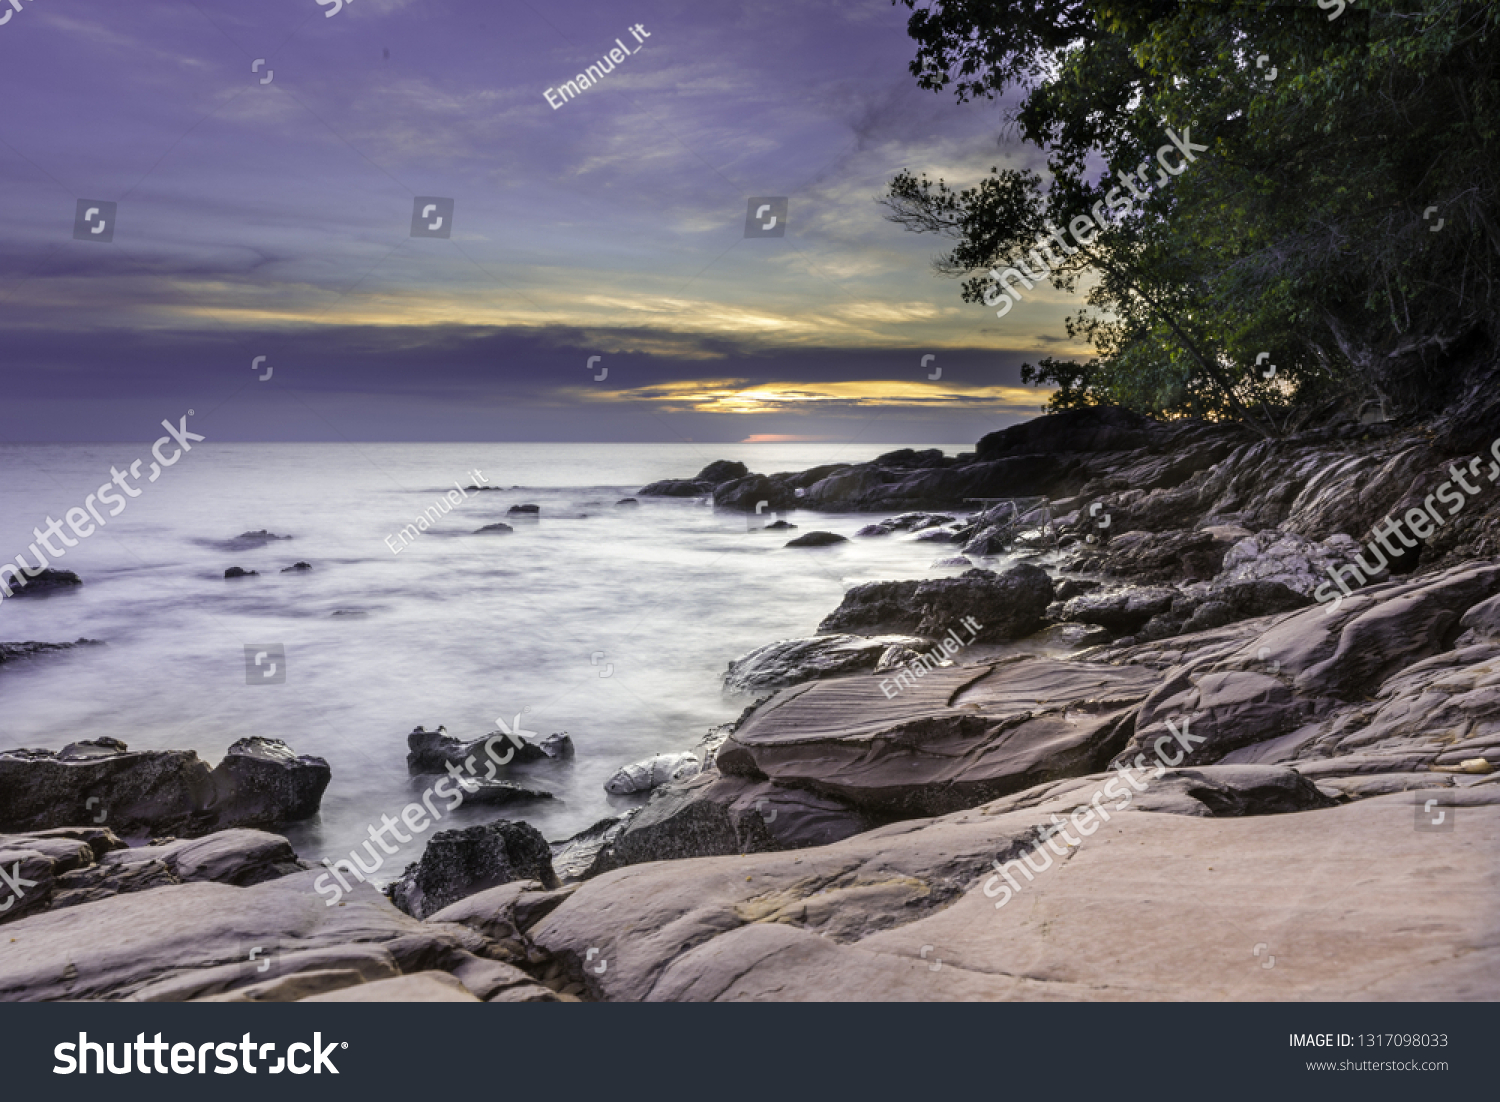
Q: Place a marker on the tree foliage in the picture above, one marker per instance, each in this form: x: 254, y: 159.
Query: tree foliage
x: 1308, y: 231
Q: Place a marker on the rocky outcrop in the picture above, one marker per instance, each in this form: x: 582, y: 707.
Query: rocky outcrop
x: 260, y: 783
x: 77, y: 865
x: 953, y: 739
x: 715, y: 474
x: 918, y: 912
x: 793, y: 661
x: 241, y: 572
x: 1006, y: 606
x: 459, y: 863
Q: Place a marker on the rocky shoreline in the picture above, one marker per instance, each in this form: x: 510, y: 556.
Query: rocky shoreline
x: 1169, y: 753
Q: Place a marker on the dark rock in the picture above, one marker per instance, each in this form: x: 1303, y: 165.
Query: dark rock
x: 430, y: 752
x: 955, y: 561
x: 261, y: 782
x: 460, y: 863
x: 1069, y: 588
x: 297, y: 566
x: 587, y: 852
x: 778, y: 526
x: 676, y: 487
x: 524, y: 510
x: 499, y: 528
x: 10, y: 652
x: 1095, y: 429
x: 157, y: 792
x: 627, y: 501
x: 908, y: 458
x: 1124, y: 609
x: 794, y: 661
x: 1007, y: 606
x: 712, y: 815
x: 240, y: 572
x: 721, y: 471
x: 43, y: 581
x: 248, y: 541
x: 817, y: 539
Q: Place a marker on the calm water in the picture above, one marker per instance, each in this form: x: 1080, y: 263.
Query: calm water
x: 457, y: 630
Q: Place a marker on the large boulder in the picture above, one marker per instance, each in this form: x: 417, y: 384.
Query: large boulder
x: 459, y: 863
x: 260, y: 782
x: 953, y: 738
x: 1006, y: 606
x: 1094, y: 429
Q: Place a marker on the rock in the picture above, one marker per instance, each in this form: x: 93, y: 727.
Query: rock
x: 499, y: 528
x: 459, y: 863
x: 721, y: 471
x: 240, y: 572
x: 1378, y: 676
x: 953, y: 561
x: 906, y: 522
x: 1286, y: 558
x: 712, y: 815
x: 1152, y: 558
x: 584, y: 854
x: 262, y: 782
x: 430, y: 752
x: 259, y: 783
x: 796, y: 660
x: 817, y: 539
x: 486, y: 790
x: 627, y: 501
x: 249, y: 541
x: 11, y: 652
x: 1007, y: 606
x: 777, y: 526
x: 1483, y: 619
x: 952, y: 739
x: 42, y: 582
x: 676, y: 487
x: 642, y: 776
x: 524, y: 510
x: 297, y: 566
x: 865, y: 922
x: 1120, y: 609
x: 424, y: 987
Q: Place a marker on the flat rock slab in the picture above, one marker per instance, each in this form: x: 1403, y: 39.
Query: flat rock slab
x: 1151, y: 907
x: 955, y: 739
x: 424, y: 987
x: 111, y: 948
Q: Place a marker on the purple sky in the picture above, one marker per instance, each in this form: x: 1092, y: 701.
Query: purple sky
x: 274, y: 219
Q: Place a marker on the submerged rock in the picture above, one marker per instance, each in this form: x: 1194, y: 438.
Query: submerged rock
x: 240, y: 572
x: 42, y: 582
x: 10, y: 652
x: 433, y: 751
x: 499, y: 528
x: 817, y: 539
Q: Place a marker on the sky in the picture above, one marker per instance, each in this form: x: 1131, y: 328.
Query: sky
x: 267, y: 160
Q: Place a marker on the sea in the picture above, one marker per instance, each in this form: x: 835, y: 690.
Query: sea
x: 612, y: 623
